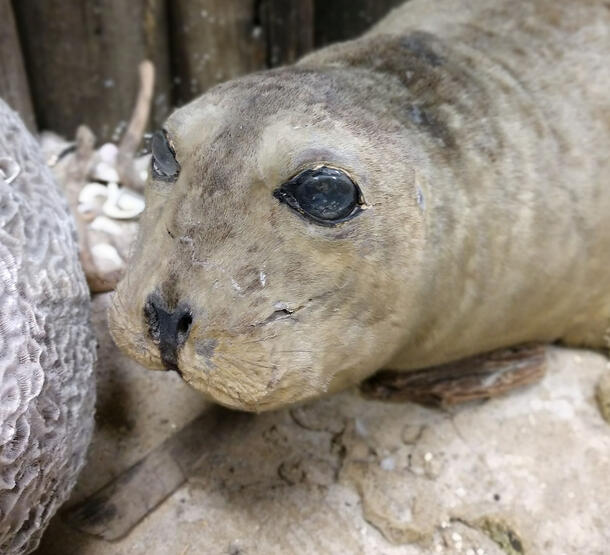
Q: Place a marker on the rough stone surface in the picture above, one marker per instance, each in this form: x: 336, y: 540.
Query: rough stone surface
x: 47, y: 347
x: 527, y: 473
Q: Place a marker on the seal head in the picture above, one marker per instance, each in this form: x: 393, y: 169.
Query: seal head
x: 262, y: 271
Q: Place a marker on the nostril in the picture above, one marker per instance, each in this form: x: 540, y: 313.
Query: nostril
x: 184, y: 325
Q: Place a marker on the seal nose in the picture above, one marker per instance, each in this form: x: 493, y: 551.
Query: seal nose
x: 169, y: 329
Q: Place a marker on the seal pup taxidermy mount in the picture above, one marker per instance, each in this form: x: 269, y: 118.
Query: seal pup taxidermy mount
x: 436, y: 189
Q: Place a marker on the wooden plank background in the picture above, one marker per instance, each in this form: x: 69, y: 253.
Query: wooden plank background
x: 67, y: 62
x: 14, y: 88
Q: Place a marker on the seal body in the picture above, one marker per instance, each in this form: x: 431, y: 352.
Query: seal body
x: 47, y: 348
x: 479, y: 138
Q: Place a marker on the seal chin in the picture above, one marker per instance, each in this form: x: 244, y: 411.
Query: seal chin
x: 234, y: 403
x: 254, y: 404
x: 221, y: 389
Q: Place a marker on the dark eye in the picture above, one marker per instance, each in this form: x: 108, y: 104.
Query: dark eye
x: 325, y: 195
x: 164, y: 164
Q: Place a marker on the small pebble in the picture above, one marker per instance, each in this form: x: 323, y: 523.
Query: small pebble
x: 388, y: 463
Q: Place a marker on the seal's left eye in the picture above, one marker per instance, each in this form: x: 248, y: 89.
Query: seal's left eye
x: 165, y: 167
x: 325, y: 195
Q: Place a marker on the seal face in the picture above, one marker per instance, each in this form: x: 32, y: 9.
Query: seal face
x: 411, y: 198
x: 260, y: 245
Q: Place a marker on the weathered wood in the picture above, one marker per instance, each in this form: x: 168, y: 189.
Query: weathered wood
x: 114, y: 510
x: 213, y: 41
x: 337, y: 20
x: 289, y: 29
x: 82, y: 59
x: 14, y: 88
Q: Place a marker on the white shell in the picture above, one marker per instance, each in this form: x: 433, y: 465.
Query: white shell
x: 105, y: 225
x: 103, y: 171
x: 92, y: 191
x: 119, y: 203
x: 122, y: 204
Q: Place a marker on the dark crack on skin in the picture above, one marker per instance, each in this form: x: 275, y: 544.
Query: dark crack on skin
x: 287, y: 312
x: 282, y: 314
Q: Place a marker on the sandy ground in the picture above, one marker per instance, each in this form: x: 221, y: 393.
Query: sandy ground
x: 527, y: 473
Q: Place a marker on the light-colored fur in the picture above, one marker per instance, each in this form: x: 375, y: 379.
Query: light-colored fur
x: 479, y: 134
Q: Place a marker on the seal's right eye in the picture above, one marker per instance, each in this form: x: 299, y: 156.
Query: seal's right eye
x: 165, y: 167
x: 324, y: 195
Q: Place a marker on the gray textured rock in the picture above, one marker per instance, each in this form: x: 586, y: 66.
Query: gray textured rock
x: 47, y: 348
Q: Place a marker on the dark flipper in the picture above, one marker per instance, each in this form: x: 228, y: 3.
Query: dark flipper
x: 479, y: 377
